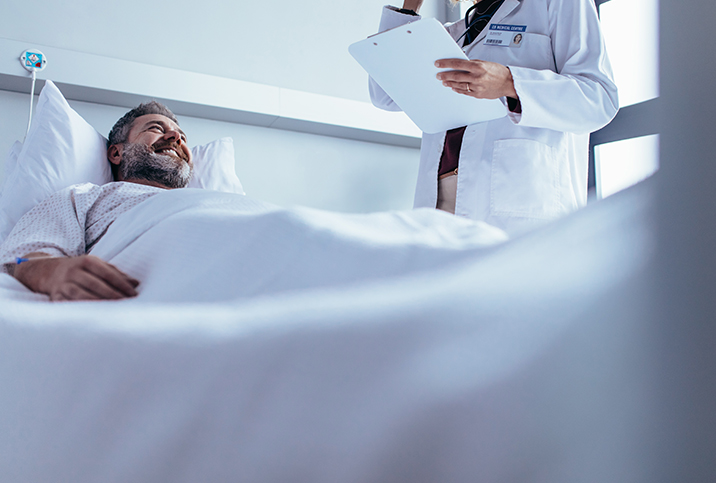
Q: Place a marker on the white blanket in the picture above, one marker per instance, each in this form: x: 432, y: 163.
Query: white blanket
x: 515, y: 363
x: 204, y: 246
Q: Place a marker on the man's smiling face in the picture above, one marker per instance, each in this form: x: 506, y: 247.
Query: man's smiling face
x: 162, y: 135
x: 155, y: 153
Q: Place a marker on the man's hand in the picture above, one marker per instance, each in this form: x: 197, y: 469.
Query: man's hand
x: 77, y: 278
x: 477, y: 78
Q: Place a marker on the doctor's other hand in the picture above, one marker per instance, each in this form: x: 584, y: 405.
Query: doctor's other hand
x: 413, y: 5
x: 477, y: 78
x: 75, y: 278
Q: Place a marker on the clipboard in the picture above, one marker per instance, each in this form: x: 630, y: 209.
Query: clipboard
x: 402, y: 62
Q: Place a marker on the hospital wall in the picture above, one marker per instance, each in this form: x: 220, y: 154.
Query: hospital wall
x: 295, y: 46
x: 281, y: 167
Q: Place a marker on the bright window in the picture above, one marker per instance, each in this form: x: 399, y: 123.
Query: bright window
x: 623, y: 163
x: 631, y: 31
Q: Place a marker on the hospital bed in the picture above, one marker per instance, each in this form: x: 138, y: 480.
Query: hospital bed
x: 322, y: 347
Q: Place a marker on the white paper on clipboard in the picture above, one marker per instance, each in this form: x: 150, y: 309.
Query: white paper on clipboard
x: 402, y: 62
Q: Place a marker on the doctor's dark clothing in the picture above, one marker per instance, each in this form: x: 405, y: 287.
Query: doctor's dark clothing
x: 477, y: 18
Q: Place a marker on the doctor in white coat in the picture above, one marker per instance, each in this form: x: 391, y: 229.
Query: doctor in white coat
x: 554, y: 77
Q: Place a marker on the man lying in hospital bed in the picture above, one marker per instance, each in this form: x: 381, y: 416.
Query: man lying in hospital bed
x: 149, y: 154
x: 48, y: 248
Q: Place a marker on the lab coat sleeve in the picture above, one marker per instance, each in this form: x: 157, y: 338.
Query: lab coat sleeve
x: 581, y: 96
x: 391, y: 18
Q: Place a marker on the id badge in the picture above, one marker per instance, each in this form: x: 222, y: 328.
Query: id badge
x: 502, y: 35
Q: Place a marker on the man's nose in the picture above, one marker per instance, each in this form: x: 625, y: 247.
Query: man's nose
x: 173, y: 135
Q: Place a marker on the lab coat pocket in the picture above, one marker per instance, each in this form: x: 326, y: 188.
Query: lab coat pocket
x: 524, y: 180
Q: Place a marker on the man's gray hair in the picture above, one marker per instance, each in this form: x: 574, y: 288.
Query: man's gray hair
x: 120, y: 131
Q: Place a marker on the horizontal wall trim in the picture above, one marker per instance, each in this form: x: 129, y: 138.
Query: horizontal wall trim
x: 93, y: 78
x: 633, y: 121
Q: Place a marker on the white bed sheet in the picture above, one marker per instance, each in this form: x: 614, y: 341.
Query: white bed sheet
x: 518, y: 363
x: 195, y: 245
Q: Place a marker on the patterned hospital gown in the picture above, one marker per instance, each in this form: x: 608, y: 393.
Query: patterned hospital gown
x: 70, y: 222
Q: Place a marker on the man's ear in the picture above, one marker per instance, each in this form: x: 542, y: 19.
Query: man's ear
x: 114, y: 154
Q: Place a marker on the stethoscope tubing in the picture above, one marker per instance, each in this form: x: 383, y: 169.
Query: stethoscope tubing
x: 469, y: 24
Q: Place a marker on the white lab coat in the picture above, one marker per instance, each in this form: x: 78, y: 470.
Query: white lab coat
x: 520, y: 170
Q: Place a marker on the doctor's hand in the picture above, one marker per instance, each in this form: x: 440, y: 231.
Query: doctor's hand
x: 76, y: 278
x: 477, y: 78
x: 413, y: 5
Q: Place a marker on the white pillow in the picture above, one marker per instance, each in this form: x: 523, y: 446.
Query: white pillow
x: 62, y: 149
x: 214, y: 167
x: 11, y: 162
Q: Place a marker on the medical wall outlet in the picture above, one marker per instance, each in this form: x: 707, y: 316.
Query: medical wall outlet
x: 33, y: 60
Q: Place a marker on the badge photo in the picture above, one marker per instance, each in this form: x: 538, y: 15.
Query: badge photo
x: 517, y: 40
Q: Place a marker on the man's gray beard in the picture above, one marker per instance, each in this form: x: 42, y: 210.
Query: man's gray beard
x: 140, y: 162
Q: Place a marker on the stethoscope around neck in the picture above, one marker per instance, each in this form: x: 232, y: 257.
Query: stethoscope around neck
x: 469, y: 24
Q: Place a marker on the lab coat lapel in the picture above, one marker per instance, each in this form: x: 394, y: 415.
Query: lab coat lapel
x: 505, y: 9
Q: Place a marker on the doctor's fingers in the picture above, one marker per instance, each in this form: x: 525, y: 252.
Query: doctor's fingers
x: 413, y: 5
x: 460, y: 76
x: 467, y: 81
x: 477, y: 76
x: 470, y: 90
x: 478, y: 89
x: 460, y: 64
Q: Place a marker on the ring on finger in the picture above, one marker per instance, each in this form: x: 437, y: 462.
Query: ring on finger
x: 467, y: 86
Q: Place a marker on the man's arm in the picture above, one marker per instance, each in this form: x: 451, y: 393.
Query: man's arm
x: 74, y: 278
